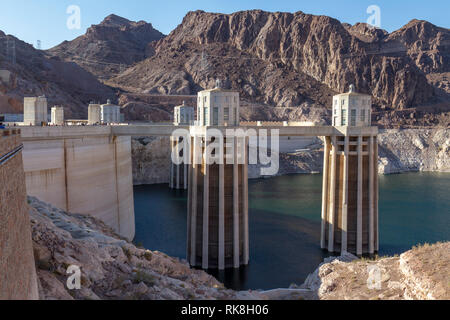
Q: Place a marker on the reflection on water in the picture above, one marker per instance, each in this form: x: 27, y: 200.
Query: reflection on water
x: 284, y: 223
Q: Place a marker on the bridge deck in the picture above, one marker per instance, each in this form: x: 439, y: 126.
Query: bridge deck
x: 52, y: 133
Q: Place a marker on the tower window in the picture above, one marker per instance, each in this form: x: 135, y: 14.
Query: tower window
x: 215, y: 116
x: 353, y: 117
x: 226, y: 114
x: 344, y: 117
x: 205, y: 116
x: 363, y: 115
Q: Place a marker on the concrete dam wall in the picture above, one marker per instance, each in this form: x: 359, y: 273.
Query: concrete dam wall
x: 84, y: 170
x: 18, y: 280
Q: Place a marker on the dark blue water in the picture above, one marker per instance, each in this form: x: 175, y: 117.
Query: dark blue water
x: 284, y: 223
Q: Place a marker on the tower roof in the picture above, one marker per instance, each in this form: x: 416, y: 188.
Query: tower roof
x: 352, y: 92
x: 219, y: 90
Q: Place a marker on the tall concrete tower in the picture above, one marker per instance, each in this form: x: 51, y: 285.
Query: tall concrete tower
x: 218, y: 188
x: 35, y: 111
x: 350, y: 179
x: 94, y: 113
x: 57, y: 115
x: 182, y: 116
x: 110, y: 113
x: 218, y: 107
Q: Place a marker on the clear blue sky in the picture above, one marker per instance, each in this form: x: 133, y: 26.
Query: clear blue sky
x: 45, y: 20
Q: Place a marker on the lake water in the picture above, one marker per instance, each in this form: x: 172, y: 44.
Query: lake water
x: 284, y: 223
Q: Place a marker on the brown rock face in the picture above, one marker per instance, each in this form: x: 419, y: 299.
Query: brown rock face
x: 106, y: 48
x: 300, y: 60
x: 34, y: 73
x: 153, y: 108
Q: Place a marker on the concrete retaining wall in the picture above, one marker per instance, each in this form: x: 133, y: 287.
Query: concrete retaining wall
x: 18, y: 279
x: 88, y: 174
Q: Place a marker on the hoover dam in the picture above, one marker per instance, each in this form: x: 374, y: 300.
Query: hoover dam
x: 84, y: 170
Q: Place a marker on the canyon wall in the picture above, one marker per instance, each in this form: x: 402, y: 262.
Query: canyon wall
x: 414, y: 150
x: 18, y: 280
x: 84, y: 170
x: 151, y: 160
x: 400, y: 150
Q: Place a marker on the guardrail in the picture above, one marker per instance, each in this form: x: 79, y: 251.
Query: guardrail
x: 7, y: 132
x: 6, y: 157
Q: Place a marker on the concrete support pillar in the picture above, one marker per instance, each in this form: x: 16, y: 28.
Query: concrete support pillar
x: 221, y: 217
x: 371, y: 196
x: 331, y: 219
x: 178, y: 176
x: 350, y: 199
x: 359, y: 199
x: 185, y: 176
x: 189, y: 213
x: 376, y: 192
x: 218, y: 225
x: 171, y: 165
x: 192, y: 209
x: 344, y: 226
x: 245, y: 202
x: 326, y: 161
x: 205, y: 245
x: 178, y: 172
x: 236, y: 205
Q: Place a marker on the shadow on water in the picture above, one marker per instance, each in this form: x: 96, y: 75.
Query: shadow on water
x: 160, y: 216
x: 283, y: 250
x: 284, y: 223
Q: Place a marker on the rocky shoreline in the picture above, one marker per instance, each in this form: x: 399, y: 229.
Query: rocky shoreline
x: 422, y: 273
x: 115, y: 269
x: 414, y: 150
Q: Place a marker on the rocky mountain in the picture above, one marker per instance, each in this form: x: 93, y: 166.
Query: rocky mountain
x: 286, y: 66
x: 107, y: 48
x: 29, y: 72
x: 300, y: 60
